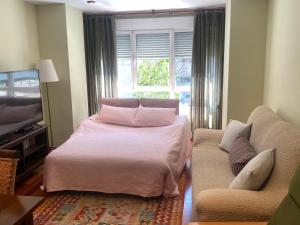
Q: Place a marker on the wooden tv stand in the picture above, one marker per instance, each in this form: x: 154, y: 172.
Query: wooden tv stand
x: 33, y: 147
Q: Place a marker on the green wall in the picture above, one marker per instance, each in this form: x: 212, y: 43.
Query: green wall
x: 244, y: 67
x: 61, y: 39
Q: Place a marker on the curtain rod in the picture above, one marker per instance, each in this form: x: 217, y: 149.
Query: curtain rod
x: 163, y: 12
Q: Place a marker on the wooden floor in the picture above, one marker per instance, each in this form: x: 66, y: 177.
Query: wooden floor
x: 31, y: 186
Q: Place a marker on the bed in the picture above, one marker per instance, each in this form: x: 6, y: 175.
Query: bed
x: 144, y: 161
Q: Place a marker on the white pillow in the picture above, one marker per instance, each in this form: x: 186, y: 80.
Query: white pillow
x: 256, y: 172
x: 117, y: 115
x: 137, y: 117
x: 232, y: 131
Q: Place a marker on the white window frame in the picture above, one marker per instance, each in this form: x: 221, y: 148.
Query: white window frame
x: 171, y: 88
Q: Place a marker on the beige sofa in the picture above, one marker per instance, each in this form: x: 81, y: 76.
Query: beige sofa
x: 211, y: 172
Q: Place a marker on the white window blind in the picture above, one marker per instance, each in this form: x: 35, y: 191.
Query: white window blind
x: 152, y: 45
x: 183, y: 44
x: 123, y: 46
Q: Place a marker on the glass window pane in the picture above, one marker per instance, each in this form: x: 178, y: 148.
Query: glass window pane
x: 152, y: 50
x: 124, y: 77
x: 124, y: 65
x: 183, y: 44
x: 150, y: 94
x: 183, y: 66
x: 153, y: 72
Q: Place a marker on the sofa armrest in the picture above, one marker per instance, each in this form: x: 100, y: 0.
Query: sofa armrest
x: 208, y: 136
x: 237, y: 205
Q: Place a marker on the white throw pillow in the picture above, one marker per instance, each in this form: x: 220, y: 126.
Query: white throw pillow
x: 256, y: 172
x: 232, y: 131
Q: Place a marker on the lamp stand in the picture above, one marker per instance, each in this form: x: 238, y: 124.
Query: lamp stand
x: 49, y: 115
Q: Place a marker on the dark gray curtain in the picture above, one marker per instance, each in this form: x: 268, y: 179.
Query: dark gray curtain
x: 101, y: 62
x: 207, y: 69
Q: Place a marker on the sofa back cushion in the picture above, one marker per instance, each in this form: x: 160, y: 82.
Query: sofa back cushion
x: 270, y: 131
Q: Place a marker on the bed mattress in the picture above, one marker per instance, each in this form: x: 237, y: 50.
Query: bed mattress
x: 144, y: 161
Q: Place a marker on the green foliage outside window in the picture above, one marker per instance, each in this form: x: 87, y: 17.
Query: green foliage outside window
x: 162, y: 94
x: 153, y: 73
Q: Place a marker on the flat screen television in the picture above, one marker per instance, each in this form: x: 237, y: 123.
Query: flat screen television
x: 20, y: 102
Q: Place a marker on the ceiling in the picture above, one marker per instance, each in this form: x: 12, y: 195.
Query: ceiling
x: 134, y: 5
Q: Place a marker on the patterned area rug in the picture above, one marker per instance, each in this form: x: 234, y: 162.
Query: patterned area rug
x: 86, y: 208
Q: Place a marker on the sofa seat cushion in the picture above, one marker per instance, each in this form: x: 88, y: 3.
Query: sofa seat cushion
x: 270, y: 131
x: 209, y: 162
x: 210, y: 169
x: 237, y: 205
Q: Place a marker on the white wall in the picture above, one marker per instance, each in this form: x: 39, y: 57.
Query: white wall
x: 282, y: 74
x: 161, y: 23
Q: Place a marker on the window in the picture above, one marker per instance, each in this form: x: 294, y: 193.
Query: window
x: 155, y: 64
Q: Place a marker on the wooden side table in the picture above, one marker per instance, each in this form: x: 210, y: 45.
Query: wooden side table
x: 17, y: 210
x: 228, y: 223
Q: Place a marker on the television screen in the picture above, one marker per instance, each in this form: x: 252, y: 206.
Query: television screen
x: 20, y: 101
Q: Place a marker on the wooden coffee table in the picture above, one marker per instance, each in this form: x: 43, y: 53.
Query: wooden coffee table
x: 228, y: 223
x: 17, y: 210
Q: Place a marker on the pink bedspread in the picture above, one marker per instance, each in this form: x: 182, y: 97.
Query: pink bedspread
x: 109, y: 158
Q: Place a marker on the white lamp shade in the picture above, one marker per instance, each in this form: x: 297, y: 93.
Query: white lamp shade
x: 47, y: 71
